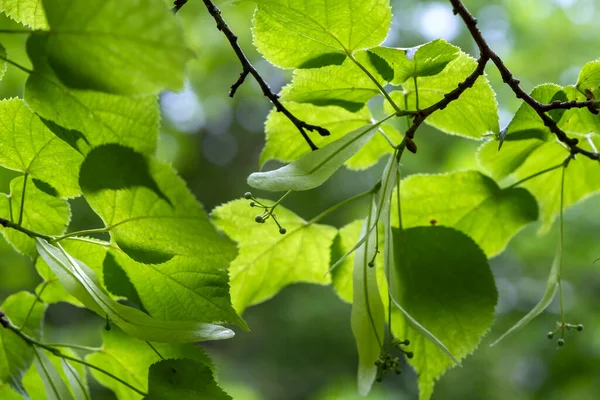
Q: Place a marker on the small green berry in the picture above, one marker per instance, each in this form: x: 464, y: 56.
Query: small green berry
x: 561, y: 342
x: 247, y: 195
x: 580, y: 327
x: 282, y: 231
x: 371, y: 264
x: 550, y: 335
x: 259, y: 219
x: 252, y: 204
x: 409, y: 354
x: 406, y: 342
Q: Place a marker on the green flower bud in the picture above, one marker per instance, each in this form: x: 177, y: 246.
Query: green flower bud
x: 550, y: 335
x: 259, y: 219
x: 247, y: 195
x: 282, y: 231
x: 580, y: 327
x: 561, y: 342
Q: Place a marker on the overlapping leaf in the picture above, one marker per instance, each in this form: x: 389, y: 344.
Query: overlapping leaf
x: 442, y: 279
x: 589, y: 78
x: 267, y: 260
x: 309, y: 34
x: 27, y: 12
x: 474, y: 114
x: 107, y: 45
x: 129, y: 359
x: 16, y: 356
x: 89, y: 118
x: 145, y: 205
x: 81, y: 282
x: 529, y: 149
x: 183, y: 379
x: 42, y: 213
x: 426, y: 60
x: 478, y: 207
x: 30, y: 147
x: 56, y: 388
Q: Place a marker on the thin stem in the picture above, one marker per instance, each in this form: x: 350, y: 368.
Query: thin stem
x: 343, y: 203
x: 10, y: 208
x: 274, y: 206
x: 74, y: 346
x: 81, y: 233
x: 23, y: 200
x: 376, y: 82
x: 22, y: 68
x: 154, y: 349
x: 387, y: 138
x: 561, y: 244
x: 365, y: 278
x: 16, y: 31
x: 416, y: 93
x: 9, y: 224
x: 37, y: 298
x: 520, y: 182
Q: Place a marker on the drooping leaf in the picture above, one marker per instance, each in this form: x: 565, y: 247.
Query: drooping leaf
x: 81, y: 282
x: 474, y: 114
x: 346, y: 85
x: 27, y: 12
x: 30, y: 147
x: 529, y: 148
x: 77, y: 380
x: 479, y: 208
x: 56, y: 388
x: 183, y: 379
x: 170, y: 247
x: 367, y: 318
x: 284, y: 142
x: 110, y: 46
x: 86, y: 250
x: 313, y: 169
x: 42, y: 213
x: 311, y: 34
x: 442, y: 278
x: 268, y: 261
x: 16, y: 356
x: 426, y: 60
x: 129, y: 359
x: 89, y: 118
x: 589, y: 78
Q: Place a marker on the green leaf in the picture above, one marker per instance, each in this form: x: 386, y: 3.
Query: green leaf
x: 314, y: 168
x: 474, y: 114
x: 80, y: 281
x: 56, y: 389
x: 267, y: 260
x: 27, y: 12
x: 346, y: 85
x: 589, y: 78
x: 90, y: 118
x: 284, y: 142
x: 442, y: 278
x: 529, y: 149
x: 3, y: 63
x: 86, y: 250
x: 183, y: 380
x: 129, y: 359
x: 42, y: 213
x: 578, y: 120
x: 145, y: 205
x: 77, y: 380
x: 30, y: 147
x: 425, y: 60
x: 108, y: 46
x: 368, y: 318
x: 479, y: 208
x: 310, y: 34
x: 16, y: 355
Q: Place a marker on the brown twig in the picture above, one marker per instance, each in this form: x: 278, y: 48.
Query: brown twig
x: 248, y: 69
x: 508, y: 78
x: 178, y: 4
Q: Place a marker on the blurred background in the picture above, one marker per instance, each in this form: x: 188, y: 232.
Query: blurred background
x: 301, y: 345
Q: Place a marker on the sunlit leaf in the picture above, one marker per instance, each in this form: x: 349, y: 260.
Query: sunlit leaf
x: 27, y: 12
x: 56, y: 388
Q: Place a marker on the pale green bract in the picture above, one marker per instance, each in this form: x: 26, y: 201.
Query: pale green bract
x: 426, y: 60
x: 489, y: 215
x: 42, y: 213
x: 118, y: 347
x: 27, y: 12
x: 56, y: 388
x: 81, y: 282
x: 16, y: 356
x: 309, y: 34
x: 128, y: 48
x: 144, y: 205
x: 30, y: 147
x: 90, y: 118
x: 367, y: 318
x: 443, y: 280
x: 472, y: 115
x: 313, y: 169
x: 268, y: 261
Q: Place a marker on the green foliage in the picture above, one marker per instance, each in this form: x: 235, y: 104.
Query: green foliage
x: 55, y: 387
x: 26, y: 12
x: 442, y: 278
x: 589, y: 78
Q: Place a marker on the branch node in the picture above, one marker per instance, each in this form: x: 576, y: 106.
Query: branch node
x: 239, y: 82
